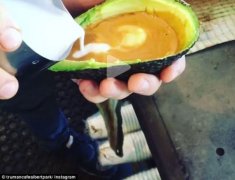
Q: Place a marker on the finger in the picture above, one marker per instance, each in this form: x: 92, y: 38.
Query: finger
x: 90, y: 90
x: 144, y: 84
x: 113, y: 88
x: 173, y: 71
x: 10, y: 36
x: 10, y: 39
x: 8, y: 85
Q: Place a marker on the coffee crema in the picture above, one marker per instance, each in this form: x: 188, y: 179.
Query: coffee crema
x: 129, y: 36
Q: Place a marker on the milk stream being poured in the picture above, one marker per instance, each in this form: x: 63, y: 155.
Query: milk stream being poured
x: 89, y: 48
x: 82, y: 40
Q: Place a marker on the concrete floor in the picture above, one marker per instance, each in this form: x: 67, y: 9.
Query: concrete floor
x: 199, y: 111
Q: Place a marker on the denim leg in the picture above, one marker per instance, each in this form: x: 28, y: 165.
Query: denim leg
x: 35, y: 103
x: 48, y: 124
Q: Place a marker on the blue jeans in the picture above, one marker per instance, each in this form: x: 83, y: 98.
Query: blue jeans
x: 36, y: 104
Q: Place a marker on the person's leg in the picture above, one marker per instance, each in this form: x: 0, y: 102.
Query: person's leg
x: 36, y: 105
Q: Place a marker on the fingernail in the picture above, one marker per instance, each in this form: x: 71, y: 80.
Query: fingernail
x: 8, y: 90
x: 10, y: 39
x: 76, y: 81
x: 144, y: 86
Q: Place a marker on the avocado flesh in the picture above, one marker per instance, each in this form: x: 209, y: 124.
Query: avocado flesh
x: 177, y: 14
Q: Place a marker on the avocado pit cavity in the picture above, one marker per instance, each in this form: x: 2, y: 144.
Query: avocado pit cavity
x: 138, y: 35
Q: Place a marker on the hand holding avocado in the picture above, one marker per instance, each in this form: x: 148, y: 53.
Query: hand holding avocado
x: 145, y: 84
x: 141, y: 83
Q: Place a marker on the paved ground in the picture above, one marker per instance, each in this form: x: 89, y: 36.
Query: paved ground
x: 199, y: 111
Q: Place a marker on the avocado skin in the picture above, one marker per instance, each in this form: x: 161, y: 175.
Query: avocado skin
x: 150, y: 67
x: 98, y: 71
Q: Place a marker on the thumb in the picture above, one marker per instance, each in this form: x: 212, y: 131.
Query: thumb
x: 8, y: 85
x: 10, y: 40
x: 10, y: 35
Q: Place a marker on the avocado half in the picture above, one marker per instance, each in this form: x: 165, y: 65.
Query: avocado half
x: 176, y: 13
